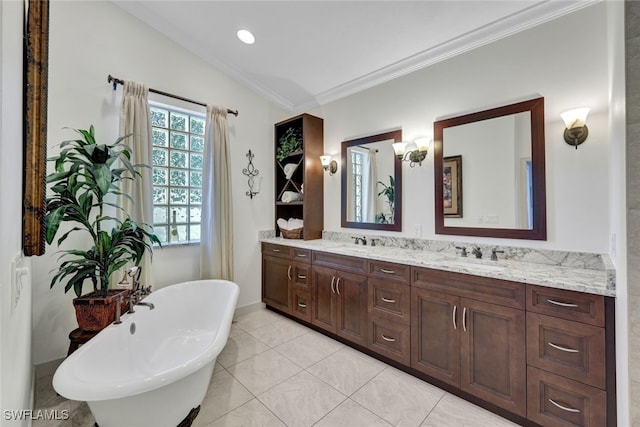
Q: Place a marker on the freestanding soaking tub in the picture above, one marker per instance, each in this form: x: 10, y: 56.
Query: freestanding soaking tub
x: 155, y: 367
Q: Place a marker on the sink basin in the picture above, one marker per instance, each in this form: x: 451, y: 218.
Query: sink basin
x: 478, y: 266
x: 354, y: 249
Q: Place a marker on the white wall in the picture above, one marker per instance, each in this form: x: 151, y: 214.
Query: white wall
x: 88, y: 41
x: 537, y: 62
x: 15, y: 320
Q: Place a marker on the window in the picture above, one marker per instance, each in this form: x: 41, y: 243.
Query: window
x: 177, y: 156
x: 356, y: 168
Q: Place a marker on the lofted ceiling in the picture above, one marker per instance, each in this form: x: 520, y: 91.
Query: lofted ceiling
x: 308, y: 53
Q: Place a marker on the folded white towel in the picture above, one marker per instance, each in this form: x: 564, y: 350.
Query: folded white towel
x: 294, y: 223
x: 290, y: 224
x: 282, y: 223
x: 289, y: 169
x: 290, y: 196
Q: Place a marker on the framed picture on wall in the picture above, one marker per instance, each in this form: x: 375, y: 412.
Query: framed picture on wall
x: 452, y: 183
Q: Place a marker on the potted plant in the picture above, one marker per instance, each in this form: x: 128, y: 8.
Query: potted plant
x: 389, y: 192
x: 288, y: 143
x: 85, y: 181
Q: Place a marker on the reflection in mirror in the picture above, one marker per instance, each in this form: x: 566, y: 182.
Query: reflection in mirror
x: 489, y: 173
x: 510, y: 165
x: 370, y: 177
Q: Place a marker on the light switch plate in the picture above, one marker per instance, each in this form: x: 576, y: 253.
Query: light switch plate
x: 18, y: 270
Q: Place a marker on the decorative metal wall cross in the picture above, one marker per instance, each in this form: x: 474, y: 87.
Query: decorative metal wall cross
x: 251, y: 172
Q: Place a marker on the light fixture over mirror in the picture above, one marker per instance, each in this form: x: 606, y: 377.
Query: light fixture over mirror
x: 492, y: 162
x: 412, y: 152
x: 372, y: 182
x: 328, y: 164
x: 576, y: 131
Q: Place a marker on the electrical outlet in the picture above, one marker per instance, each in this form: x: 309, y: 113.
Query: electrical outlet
x: 491, y: 219
x: 480, y: 219
x: 417, y: 230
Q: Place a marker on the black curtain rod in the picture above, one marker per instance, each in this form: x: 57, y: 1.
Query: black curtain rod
x: 116, y: 81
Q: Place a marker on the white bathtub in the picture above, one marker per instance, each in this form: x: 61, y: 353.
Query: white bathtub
x: 155, y: 376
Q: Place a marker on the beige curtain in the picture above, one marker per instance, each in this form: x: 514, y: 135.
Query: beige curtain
x: 135, y: 119
x: 216, y: 236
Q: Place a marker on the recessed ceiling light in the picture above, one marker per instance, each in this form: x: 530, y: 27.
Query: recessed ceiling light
x: 246, y: 37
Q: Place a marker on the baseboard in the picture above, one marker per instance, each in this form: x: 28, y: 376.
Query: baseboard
x: 248, y: 309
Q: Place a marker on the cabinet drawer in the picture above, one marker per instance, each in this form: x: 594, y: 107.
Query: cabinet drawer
x: 390, y: 339
x: 577, y: 306
x: 341, y: 262
x: 276, y: 250
x: 567, y: 348
x: 495, y: 291
x: 389, y: 300
x: 301, y: 255
x: 555, y: 401
x: 301, y: 276
x: 301, y: 304
x: 389, y: 271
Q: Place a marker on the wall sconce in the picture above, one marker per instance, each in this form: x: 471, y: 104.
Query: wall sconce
x: 328, y: 164
x: 413, y: 152
x: 576, y: 130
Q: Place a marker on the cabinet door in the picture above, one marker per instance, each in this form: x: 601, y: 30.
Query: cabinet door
x: 492, y: 350
x: 275, y: 282
x: 323, y: 299
x: 351, y: 290
x: 435, y: 336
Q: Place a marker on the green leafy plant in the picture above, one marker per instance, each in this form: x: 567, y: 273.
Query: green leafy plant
x: 289, y: 142
x: 389, y: 192
x: 85, y: 180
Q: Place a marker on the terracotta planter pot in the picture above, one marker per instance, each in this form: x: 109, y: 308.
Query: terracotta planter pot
x: 95, y: 312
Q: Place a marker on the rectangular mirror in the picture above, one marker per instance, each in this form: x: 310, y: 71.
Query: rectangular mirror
x: 489, y: 173
x: 372, y: 183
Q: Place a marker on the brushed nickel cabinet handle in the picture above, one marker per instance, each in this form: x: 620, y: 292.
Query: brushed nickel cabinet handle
x: 333, y: 289
x: 387, y: 338
x: 301, y: 276
x: 561, y: 304
x: 276, y: 250
x: 302, y: 305
x: 389, y: 300
x: 289, y: 272
x: 338, y: 285
x: 558, y: 347
x: 464, y: 319
x: 453, y: 316
x: 302, y: 255
x: 564, y: 408
x: 384, y: 270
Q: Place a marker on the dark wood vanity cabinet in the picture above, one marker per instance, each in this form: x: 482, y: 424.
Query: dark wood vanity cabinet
x: 339, y: 296
x: 475, y: 345
x: 569, y: 376
x: 539, y: 353
x: 286, y: 279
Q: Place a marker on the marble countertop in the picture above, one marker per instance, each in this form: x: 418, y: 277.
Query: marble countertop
x: 599, y: 282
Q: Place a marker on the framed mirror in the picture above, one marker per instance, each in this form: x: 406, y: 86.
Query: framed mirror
x: 372, y: 183
x: 490, y: 173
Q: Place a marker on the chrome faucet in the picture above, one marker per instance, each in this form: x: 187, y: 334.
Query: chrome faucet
x: 477, y: 252
x: 361, y: 239
x: 147, y: 304
x: 463, y: 250
x: 494, y: 254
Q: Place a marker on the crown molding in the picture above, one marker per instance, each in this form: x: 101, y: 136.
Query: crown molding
x: 512, y: 24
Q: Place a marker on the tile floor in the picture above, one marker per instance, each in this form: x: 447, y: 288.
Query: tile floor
x: 276, y: 372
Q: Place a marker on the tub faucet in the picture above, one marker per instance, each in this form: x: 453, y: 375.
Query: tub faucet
x: 146, y: 304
